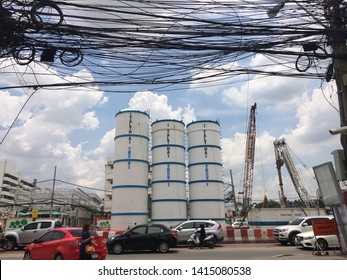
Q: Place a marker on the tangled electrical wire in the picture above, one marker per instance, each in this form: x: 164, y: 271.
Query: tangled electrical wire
x: 163, y: 43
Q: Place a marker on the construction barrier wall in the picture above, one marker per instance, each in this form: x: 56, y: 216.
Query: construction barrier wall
x: 257, y: 235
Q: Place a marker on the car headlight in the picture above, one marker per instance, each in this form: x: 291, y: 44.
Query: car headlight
x: 309, y: 237
x: 284, y: 229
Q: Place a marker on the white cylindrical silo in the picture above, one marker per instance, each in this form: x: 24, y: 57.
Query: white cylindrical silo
x: 130, y: 170
x: 206, y: 199
x: 169, y: 202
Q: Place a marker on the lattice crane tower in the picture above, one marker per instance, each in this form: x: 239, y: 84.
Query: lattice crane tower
x: 249, y: 160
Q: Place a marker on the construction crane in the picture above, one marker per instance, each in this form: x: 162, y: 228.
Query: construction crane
x: 283, y: 156
x: 249, y: 161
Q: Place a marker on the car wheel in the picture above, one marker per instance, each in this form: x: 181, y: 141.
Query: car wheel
x: 163, y: 247
x: 292, y: 238
x: 10, y: 243
x: 117, y: 248
x: 322, y: 244
x: 27, y: 256
x: 58, y: 257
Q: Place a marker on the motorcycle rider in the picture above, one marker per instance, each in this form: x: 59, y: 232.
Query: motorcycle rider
x: 202, y: 234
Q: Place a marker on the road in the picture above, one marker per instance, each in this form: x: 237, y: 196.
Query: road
x: 246, y: 251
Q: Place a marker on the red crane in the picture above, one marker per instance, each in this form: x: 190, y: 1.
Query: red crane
x: 249, y: 161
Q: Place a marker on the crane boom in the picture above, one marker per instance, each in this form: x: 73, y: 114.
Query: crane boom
x: 249, y: 159
x: 282, y: 155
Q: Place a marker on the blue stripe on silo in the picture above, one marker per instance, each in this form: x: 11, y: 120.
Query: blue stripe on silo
x: 168, y: 145
x: 169, y: 162
x: 131, y: 135
x: 206, y: 181
x: 167, y: 120
x: 132, y: 111
x: 204, y: 146
x: 207, y: 162
x: 131, y: 159
x: 208, y: 121
x: 129, y: 186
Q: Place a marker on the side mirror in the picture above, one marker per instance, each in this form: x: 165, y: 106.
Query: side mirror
x: 304, y: 224
x: 36, y: 241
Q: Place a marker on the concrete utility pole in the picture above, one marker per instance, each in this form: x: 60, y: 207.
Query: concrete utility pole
x: 52, y: 197
x: 336, y: 34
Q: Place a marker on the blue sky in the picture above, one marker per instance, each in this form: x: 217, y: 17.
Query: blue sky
x: 73, y: 128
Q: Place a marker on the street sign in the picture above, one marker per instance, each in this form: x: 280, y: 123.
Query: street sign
x: 324, y: 227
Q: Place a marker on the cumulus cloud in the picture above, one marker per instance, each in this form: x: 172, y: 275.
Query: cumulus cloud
x: 159, y: 108
x: 41, y: 137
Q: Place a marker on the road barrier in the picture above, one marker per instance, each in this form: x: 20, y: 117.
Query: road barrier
x: 230, y: 235
x: 249, y: 235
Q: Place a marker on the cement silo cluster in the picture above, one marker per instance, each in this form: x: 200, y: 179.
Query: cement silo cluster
x: 180, y: 172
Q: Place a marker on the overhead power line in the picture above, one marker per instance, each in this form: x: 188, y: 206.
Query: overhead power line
x: 167, y: 43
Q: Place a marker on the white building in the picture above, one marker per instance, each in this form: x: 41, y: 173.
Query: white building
x: 14, y: 188
x: 74, y: 206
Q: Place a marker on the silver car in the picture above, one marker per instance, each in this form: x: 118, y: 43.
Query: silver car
x: 185, y: 229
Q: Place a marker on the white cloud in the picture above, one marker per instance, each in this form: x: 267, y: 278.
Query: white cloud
x: 159, y: 108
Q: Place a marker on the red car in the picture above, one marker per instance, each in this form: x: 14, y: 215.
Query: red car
x: 62, y: 244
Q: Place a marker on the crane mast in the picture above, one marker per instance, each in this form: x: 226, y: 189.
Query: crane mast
x: 283, y: 156
x: 249, y: 160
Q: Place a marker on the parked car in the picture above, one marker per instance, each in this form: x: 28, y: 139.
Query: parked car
x: 240, y: 224
x: 24, y: 236
x: 184, y: 230
x: 287, y: 233
x: 322, y: 242
x: 143, y: 237
x: 62, y: 244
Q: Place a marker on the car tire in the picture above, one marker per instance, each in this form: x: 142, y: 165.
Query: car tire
x: 292, y: 237
x: 58, y: 257
x: 117, y: 248
x: 10, y: 243
x: 163, y: 247
x: 27, y: 256
x: 322, y: 244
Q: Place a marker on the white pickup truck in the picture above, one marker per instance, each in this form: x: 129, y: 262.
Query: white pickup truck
x: 24, y: 236
x: 287, y: 233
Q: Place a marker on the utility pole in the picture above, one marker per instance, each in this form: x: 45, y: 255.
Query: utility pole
x: 233, y: 192
x: 51, y: 210
x: 336, y: 34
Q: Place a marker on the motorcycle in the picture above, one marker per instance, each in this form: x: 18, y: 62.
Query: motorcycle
x: 194, y: 241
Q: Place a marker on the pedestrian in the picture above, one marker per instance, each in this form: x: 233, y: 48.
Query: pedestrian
x: 2, y: 238
x: 86, y: 239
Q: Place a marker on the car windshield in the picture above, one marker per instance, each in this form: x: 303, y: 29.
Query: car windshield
x: 296, y: 222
